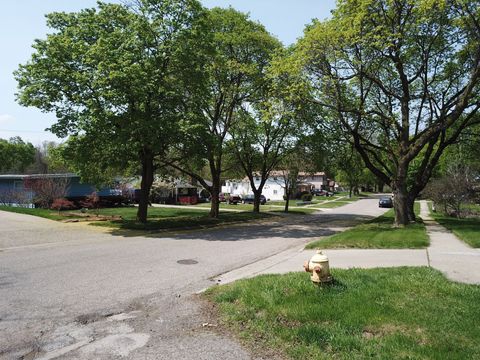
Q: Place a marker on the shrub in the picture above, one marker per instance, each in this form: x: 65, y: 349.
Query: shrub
x: 307, y: 197
x: 62, y: 204
x: 92, y: 201
x: 47, y: 188
x: 454, y: 190
x: 11, y: 197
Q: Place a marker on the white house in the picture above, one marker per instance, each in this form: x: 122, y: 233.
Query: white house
x: 318, y: 180
x: 274, y: 187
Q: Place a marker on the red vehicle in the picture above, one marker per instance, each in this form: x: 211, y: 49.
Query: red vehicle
x: 229, y: 199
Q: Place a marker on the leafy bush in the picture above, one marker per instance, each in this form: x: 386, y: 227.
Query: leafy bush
x: 307, y: 197
x: 453, y: 191
x: 62, y: 204
x: 47, y: 188
x: 9, y: 197
x: 92, y: 201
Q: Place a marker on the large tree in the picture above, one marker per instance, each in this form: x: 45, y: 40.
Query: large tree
x: 119, y: 79
x: 401, y: 77
x: 242, y: 51
x: 16, y: 155
x: 270, y: 123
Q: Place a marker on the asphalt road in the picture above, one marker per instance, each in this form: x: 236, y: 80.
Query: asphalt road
x: 74, y: 291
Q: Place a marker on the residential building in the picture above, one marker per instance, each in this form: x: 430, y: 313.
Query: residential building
x: 274, y: 188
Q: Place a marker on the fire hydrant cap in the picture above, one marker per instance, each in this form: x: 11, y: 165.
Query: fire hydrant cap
x: 319, y: 257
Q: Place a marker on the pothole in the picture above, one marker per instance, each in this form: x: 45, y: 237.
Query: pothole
x: 187, y: 262
x: 94, y: 317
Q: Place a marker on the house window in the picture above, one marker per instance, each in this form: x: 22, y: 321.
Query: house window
x: 18, y: 185
x: 257, y: 179
x: 275, y: 178
x: 275, y: 192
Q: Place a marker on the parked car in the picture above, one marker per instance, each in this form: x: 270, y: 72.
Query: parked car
x: 317, y: 192
x: 320, y: 192
x: 385, y: 202
x: 250, y: 199
x: 234, y: 199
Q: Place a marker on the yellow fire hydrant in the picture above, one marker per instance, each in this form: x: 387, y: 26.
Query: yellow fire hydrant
x: 318, y: 266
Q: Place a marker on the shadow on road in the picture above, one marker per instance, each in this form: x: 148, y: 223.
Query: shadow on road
x: 309, y: 226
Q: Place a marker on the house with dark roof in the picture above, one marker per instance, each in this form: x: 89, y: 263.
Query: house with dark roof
x: 14, y: 189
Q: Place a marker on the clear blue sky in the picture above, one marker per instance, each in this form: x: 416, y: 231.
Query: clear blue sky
x: 22, y: 21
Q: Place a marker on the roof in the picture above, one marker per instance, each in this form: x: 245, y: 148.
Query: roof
x: 321, y: 173
x: 23, y: 176
x: 284, y: 172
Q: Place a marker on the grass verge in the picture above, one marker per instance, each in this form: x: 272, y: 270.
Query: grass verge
x: 44, y: 213
x: 158, y: 218
x: 378, y: 233
x: 295, y: 210
x: 201, y: 220
x: 394, y: 313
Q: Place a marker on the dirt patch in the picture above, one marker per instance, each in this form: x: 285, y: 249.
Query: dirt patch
x: 77, y: 217
x: 94, y: 317
x: 371, y: 332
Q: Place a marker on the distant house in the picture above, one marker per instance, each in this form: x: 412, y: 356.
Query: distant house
x: 318, y: 180
x: 274, y: 188
x: 13, y: 188
x: 177, y: 191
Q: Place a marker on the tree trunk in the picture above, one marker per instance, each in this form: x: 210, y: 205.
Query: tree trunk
x: 215, y: 203
x: 356, y: 191
x: 350, y: 192
x: 256, y: 201
x: 411, y: 208
x: 381, y: 185
x: 287, y: 200
x: 400, y: 203
x: 145, y: 186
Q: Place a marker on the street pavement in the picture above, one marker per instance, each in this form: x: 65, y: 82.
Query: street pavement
x: 73, y: 291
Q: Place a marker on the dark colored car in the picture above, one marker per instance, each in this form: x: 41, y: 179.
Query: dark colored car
x: 234, y: 199
x: 385, y: 202
x: 320, y: 192
x: 250, y: 199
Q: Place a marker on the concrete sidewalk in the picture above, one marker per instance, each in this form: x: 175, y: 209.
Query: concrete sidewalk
x: 453, y: 257
x: 292, y: 260
x: 446, y: 252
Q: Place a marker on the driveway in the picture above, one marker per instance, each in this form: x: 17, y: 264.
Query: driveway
x: 79, y: 292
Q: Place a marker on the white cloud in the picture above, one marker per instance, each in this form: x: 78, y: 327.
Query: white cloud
x: 6, y: 119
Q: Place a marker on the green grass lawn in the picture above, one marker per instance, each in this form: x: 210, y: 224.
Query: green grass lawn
x: 377, y: 234
x: 158, y: 218
x: 467, y: 230
x: 274, y: 207
x: 44, y: 213
x: 183, y: 221
x: 243, y: 207
x: 394, y: 313
x: 331, y: 205
x: 295, y: 210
